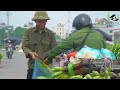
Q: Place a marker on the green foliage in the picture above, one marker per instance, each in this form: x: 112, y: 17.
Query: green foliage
x: 25, y: 25
x: 3, y: 35
x: 108, y: 45
x: 19, y: 32
x: 117, y: 41
x: 1, y: 46
x: 1, y: 56
x: 115, y: 49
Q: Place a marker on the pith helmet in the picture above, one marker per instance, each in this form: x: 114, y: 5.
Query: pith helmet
x: 40, y: 15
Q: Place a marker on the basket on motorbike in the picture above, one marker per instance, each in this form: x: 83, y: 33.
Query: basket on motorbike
x: 86, y: 66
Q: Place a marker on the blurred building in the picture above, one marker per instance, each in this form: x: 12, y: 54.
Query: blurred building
x: 61, y: 31
x: 30, y: 25
x: 110, y: 27
x: 2, y: 25
x: 10, y: 28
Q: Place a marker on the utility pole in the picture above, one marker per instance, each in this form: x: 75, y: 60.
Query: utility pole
x: 69, y: 22
x: 8, y: 14
x: 108, y: 18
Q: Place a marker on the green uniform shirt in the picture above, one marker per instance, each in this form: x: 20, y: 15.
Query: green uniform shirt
x: 39, y: 42
x: 94, y: 40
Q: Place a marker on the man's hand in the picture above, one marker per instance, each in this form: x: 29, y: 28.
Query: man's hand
x: 33, y: 55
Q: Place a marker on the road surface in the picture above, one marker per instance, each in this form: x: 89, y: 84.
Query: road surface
x: 15, y: 68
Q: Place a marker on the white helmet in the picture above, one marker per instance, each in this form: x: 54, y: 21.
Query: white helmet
x: 9, y: 41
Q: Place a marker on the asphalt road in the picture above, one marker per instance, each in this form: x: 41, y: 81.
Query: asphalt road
x: 15, y: 68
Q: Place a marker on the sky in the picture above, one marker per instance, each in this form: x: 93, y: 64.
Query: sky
x: 19, y: 18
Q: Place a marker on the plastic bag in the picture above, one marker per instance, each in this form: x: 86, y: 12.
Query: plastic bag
x: 87, y: 52
x: 108, y: 54
x: 41, y: 69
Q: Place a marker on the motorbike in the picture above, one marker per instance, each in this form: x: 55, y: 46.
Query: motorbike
x: 9, y: 52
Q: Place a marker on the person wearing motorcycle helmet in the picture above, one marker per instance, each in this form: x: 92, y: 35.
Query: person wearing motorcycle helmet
x: 38, y: 40
x: 9, y: 41
x: 84, y: 35
x: 9, y: 48
x: 8, y: 44
x: 82, y: 20
x: 79, y: 23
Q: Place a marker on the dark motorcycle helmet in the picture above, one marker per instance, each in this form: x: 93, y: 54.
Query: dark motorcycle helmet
x: 81, y: 21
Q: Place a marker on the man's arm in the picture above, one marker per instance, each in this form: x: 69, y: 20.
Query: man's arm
x: 106, y: 36
x: 65, y: 45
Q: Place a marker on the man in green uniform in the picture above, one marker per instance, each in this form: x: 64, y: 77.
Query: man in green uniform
x: 83, y: 24
x: 37, y: 40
